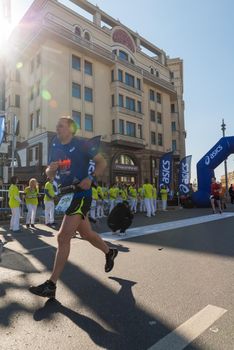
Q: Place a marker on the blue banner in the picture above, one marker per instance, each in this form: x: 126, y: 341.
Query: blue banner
x: 165, y: 170
x: 2, y: 128
x: 184, y: 175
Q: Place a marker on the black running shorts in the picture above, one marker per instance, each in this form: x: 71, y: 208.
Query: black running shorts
x: 79, y: 206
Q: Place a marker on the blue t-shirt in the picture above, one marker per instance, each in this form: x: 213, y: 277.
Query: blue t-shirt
x: 75, y: 161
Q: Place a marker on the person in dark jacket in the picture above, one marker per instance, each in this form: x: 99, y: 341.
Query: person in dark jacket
x: 120, y: 218
x: 231, y: 193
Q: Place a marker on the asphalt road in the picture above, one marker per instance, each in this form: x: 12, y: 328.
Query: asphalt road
x: 160, y: 281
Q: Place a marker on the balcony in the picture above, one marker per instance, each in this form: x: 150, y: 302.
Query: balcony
x: 53, y: 24
x: 126, y: 111
x: 128, y: 141
x: 120, y: 84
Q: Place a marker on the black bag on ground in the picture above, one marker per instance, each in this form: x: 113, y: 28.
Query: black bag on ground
x: 120, y: 218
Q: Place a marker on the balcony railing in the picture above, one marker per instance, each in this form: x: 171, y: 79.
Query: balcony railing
x: 127, y: 111
x: 118, y: 83
x: 135, y: 141
x: 50, y: 24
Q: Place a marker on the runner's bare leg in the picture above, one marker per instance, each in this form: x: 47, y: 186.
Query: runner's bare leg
x: 86, y: 232
x: 66, y: 232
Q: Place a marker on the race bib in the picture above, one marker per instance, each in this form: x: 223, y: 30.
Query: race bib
x: 64, y: 203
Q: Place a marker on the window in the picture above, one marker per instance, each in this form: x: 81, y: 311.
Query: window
x: 121, y: 126
x: 159, y: 118
x: 88, y: 122
x: 159, y: 99
x: 152, y: 115
x: 139, y: 109
x: 88, y: 94
x: 17, y: 101
x: 113, y: 126
x: 172, y: 108
x: 38, y: 88
x: 88, y: 68
x: 32, y: 93
x: 174, y: 146
x: 120, y: 75
x: 87, y: 36
x: 75, y: 62
x: 76, y: 90
x: 131, y: 60
x: 129, y: 79
x: 38, y: 118
x: 173, y: 126
x: 121, y: 101
x: 38, y: 59
x: 152, y: 95
x: 114, y: 52
x: 124, y: 159
x: 153, y: 138
x: 171, y: 75
x: 112, y: 75
x: 36, y: 153
x: 138, y: 84
x: 157, y: 73
x: 160, y: 139
x: 17, y: 75
x: 113, y: 100
x: 131, y: 129
x: 32, y: 66
x: 30, y: 154
x: 76, y: 116
x: 123, y: 55
x: 151, y: 70
x: 130, y: 103
x: 140, y: 131
x: 31, y: 122
x: 77, y: 31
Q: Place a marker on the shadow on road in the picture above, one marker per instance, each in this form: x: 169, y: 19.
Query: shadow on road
x: 209, y: 238
x: 131, y: 326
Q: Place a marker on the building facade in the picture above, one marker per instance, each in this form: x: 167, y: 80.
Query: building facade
x: 113, y: 82
x: 230, y: 177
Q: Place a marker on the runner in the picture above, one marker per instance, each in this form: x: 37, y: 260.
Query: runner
x: 49, y: 202
x: 215, y: 195
x: 76, y: 159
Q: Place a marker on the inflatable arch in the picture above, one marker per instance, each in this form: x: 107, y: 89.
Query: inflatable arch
x: 205, y: 169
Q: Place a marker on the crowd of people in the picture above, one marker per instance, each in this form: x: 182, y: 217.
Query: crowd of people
x: 143, y: 199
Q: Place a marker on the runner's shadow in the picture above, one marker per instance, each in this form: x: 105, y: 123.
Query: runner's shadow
x: 15, y: 261
x: 100, y: 336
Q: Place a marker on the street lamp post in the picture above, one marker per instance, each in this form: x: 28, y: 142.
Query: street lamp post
x: 223, y: 128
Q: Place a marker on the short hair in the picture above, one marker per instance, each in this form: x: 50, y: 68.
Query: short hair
x: 70, y: 122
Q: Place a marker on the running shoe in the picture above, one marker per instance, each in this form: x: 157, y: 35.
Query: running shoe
x: 46, y: 289
x: 33, y: 226
x: 110, y: 257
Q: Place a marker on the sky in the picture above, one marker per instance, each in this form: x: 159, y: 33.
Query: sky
x: 201, y: 33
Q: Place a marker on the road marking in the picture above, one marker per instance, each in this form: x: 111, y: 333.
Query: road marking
x: 145, y: 230
x: 183, y: 335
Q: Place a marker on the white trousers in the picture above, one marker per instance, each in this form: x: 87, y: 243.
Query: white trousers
x: 142, y: 205
x: 133, y: 204
x: 164, y: 204
x: 93, y: 209
x: 100, y: 211
x: 15, y: 219
x: 31, y: 214
x: 155, y: 204
x: 112, y: 205
x: 149, y: 207
x: 49, y: 212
